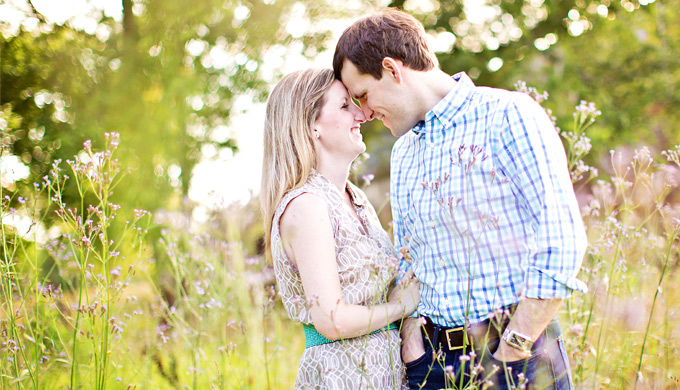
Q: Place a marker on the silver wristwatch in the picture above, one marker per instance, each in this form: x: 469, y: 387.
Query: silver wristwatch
x: 517, y: 340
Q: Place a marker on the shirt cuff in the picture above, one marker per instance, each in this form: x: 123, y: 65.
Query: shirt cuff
x: 544, y: 284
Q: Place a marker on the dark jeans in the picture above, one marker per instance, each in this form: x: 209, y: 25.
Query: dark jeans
x: 546, y: 368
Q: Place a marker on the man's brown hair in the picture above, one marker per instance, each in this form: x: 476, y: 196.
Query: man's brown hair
x: 388, y: 33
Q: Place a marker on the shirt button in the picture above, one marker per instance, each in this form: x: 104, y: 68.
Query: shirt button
x: 431, y: 146
x: 432, y: 223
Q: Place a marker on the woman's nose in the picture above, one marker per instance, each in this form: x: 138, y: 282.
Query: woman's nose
x: 359, y: 116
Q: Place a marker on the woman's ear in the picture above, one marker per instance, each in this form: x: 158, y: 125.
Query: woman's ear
x: 393, y: 68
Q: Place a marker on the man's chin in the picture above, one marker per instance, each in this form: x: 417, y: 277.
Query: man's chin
x: 397, y: 132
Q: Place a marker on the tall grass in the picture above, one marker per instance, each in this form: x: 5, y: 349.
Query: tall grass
x: 95, y: 296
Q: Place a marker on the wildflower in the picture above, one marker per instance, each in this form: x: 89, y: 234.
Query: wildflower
x: 587, y: 110
x: 199, y: 289
x: 477, y: 369
x: 113, y: 138
x: 521, y: 86
x: 405, y: 252
x: 368, y: 179
x: 449, y: 373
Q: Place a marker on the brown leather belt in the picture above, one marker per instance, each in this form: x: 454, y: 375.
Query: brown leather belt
x: 477, y: 334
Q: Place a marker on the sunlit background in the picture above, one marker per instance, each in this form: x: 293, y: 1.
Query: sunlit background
x: 190, y: 297
x: 221, y: 177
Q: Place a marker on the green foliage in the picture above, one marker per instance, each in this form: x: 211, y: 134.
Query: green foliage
x: 624, y: 58
x: 165, y: 78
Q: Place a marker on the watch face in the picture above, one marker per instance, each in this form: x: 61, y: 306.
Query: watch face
x: 518, y: 341
x: 514, y: 339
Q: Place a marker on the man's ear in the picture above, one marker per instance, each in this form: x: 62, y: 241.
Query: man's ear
x: 393, y: 68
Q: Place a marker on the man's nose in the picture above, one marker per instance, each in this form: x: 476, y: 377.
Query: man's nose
x: 368, y: 112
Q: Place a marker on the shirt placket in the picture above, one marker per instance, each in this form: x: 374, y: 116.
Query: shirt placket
x: 433, y: 139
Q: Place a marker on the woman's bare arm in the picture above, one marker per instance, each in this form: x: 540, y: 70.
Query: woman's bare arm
x: 307, y: 237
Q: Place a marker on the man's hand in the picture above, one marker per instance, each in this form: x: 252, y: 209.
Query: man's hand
x: 531, y: 318
x: 406, y: 294
x: 506, y: 353
x: 412, y: 345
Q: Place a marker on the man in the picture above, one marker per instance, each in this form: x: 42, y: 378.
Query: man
x: 482, y: 199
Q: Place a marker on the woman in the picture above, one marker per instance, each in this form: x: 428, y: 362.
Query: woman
x: 333, y: 261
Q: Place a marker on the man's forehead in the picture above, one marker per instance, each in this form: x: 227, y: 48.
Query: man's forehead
x: 352, y: 79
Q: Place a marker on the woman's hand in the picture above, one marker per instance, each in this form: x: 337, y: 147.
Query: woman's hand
x: 406, y: 294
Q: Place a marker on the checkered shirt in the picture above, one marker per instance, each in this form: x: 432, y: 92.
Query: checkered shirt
x: 481, y: 197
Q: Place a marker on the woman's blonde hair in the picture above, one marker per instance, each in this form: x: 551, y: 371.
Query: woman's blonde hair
x: 289, y: 149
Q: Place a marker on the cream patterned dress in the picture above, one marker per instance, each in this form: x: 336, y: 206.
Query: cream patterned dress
x: 367, y: 264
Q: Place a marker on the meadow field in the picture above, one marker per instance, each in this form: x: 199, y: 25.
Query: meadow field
x: 110, y: 298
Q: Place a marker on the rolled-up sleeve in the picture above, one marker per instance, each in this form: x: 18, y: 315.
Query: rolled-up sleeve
x: 531, y: 155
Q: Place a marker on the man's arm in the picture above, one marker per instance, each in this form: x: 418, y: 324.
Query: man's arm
x: 412, y: 340
x: 530, y: 153
x: 531, y: 318
x: 532, y: 156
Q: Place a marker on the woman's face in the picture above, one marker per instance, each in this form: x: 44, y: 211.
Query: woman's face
x: 338, y: 125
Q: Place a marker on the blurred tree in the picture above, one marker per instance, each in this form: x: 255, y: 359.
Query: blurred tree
x: 620, y: 55
x: 626, y: 64
x: 165, y: 77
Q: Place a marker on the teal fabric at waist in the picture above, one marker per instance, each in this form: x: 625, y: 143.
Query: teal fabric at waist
x: 314, y: 338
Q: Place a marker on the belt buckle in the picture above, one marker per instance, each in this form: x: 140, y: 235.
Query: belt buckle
x: 448, y: 339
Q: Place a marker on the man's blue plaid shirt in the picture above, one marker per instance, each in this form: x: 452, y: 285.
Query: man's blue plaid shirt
x: 482, y: 197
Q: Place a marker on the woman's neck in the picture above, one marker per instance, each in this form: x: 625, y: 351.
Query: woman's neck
x: 336, y: 172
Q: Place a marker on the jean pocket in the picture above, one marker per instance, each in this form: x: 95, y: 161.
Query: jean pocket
x: 509, y: 372
x: 418, y: 371
x: 535, y: 355
x: 421, y: 359
x: 534, y: 372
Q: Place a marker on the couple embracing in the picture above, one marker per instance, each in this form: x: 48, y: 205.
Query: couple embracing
x: 488, y: 238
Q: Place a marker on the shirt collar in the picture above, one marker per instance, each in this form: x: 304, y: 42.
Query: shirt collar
x: 454, y: 101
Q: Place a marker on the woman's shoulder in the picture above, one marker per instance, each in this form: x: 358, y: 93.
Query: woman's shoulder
x: 306, y: 203
x: 305, y: 200
x: 306, y: 211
